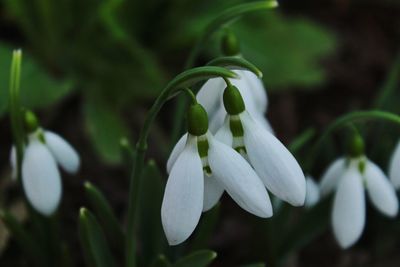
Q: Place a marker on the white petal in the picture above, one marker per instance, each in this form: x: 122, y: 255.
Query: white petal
x: 183, y: 197
x: 41, y: 178
x: 275, y: 165
x: 224, y: 133
x: 394, y: 167
x: 210, y: 94
x: 63, y: 152
x: 331, y: 177
x: 263, y: 122
x: 380, y: 191
x: 13, y: 162
x: 212, y: 192
x: 238, y: 179
x: 176, y: 151
x: 348, y: 216
x: 312, y: 192
x: 256, y: 86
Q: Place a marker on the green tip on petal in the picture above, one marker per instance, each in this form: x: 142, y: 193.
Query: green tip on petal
x: 233, y: 100
x: 197, y: 120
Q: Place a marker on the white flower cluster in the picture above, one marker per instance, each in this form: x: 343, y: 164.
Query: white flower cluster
x: 238, y: 154
x: 41, y: 179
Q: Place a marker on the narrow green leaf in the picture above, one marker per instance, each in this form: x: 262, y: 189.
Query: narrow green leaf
x: 205, y: 229
x: 93, y: 240
x: 201, y: 258
x: 390, y: 84
x: 236, y: 63
x: 161, y: 261
x: 150, y: 229
x: 105, y: 214
x: 301, y: 140
x: 22, y: 237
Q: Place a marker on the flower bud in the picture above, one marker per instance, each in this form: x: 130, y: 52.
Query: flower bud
x: 197, y: 120
x: 233, y: 100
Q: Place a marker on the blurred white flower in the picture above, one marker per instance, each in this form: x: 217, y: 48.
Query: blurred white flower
x: 253, y: 93
x: 40, y: 176
x: 272, y: 161
x: 197, y: 181
x: 312, y: 192
x: 349, y: 177
x: 394, y: 167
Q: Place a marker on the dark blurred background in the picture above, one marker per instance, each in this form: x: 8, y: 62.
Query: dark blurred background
x: 91, y: 70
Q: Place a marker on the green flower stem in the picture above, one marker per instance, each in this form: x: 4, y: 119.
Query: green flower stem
x: 183, y: 80
x: 347, y: 120
x: 15, y: 109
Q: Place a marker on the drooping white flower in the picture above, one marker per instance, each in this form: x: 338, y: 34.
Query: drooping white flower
x: 312, y: 193
x: 41, y: 178
x: 394, y: 167
x: 200, y: 169
x: 348, y: 177
x: 253, y: 93
x: 271, y: 160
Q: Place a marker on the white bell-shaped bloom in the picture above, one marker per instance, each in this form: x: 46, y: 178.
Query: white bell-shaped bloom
x: 40, y: 176
x: 253, y: 93
x: 191, y: 189
x: 13, y: 162
x: 349, y: 177
x: 272, y: 161
x: 394, y: 167
x: 312, y: 193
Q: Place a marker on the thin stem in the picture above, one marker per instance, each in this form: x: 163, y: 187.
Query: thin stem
x: 348, y: 119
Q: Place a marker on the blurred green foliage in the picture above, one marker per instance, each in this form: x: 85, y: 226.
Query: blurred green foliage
x: 117, y: 53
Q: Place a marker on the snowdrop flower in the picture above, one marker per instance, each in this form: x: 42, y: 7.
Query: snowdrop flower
x: 348, y: 177
x: 252, y: 90
x: 41, y: 178
x: 200, y: 169
x: 312, y: 193
x: 394, y: 167
x: 271, y: 160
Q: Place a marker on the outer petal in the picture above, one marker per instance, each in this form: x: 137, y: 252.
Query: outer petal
x: 63, y: 152
x: 238, y: 179
x: 212, y: 192
x: 210, y: 94
x: 332, y: 175
x: 183, y: 197
x: 275, y: 165
x: 176, y: 151
x: 380, y: 191
x: 40, y: 178
x: 217, y: 119
x: 13, y: 162
x: 394, y: 167
x: 348, y: 216
x: 256, y: 86
x: 312, y: 192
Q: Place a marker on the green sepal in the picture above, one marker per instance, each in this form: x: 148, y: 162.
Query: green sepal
x: 236, y: 127
x: 233, y: 100
x: 355, y: 147
x: 197, y: 120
